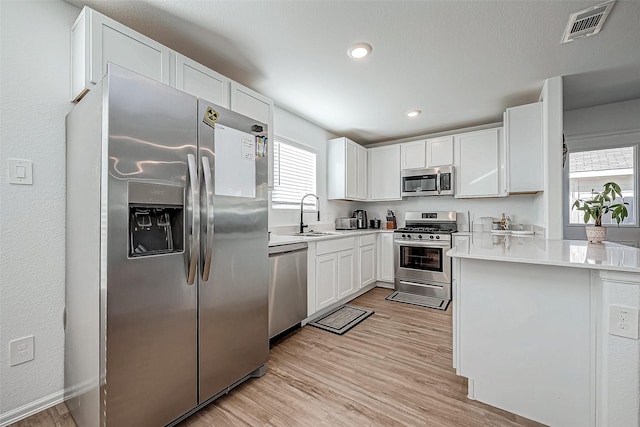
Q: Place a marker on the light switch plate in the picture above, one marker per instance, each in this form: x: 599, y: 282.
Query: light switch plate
x: 20, y: 171
x: 623, y: 321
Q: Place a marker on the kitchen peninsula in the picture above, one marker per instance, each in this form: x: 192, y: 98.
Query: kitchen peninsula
x: 539, y: 327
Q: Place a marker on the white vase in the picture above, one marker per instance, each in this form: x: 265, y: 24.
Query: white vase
x: 596, y: 234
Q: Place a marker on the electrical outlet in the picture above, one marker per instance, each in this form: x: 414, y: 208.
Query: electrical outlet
x: 21, y: 350
x: 623, y: 321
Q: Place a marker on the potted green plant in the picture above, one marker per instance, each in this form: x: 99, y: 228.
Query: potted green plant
x: 602, y: 203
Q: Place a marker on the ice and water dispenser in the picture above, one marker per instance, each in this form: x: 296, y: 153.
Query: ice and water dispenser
x: 156, y: 219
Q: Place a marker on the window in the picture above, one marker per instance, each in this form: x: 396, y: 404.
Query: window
x: 592, y: 169
x: 294, y: 175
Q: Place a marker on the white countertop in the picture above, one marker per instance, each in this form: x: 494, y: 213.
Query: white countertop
x: 283, y: 239
x: 536, y: 250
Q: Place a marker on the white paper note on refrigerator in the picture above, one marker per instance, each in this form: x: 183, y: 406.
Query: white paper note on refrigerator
x: 235, y: 166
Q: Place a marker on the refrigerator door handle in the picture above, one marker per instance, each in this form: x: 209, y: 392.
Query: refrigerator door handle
x: 208, y: 186
x: 195, y: 220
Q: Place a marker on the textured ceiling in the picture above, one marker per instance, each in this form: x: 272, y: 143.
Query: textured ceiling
x: 460, y: 62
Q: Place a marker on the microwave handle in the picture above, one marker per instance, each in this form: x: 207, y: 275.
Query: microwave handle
x: 438, y: 182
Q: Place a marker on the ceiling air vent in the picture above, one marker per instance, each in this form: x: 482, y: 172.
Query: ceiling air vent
x: 587, y: 22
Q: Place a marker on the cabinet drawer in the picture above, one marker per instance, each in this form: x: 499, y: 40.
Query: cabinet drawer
x: 368, y: 239
x: 337, y: 245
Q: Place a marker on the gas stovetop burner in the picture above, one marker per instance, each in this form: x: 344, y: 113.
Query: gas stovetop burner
x: 429, y: 222
x: 432, y: 230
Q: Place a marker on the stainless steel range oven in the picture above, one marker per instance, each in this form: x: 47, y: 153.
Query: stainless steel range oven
x: 422, y: 266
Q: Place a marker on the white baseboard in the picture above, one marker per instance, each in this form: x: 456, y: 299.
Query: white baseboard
x: 29, y: 409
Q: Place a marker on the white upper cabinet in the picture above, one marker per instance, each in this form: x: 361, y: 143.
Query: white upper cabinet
x: 384, y: 173
x: 97, y: 40
x: 413, y: 155
x: 523, y: 141
x: 198, y: 80
x: 252, y: 104
x: 361, y: 180
x: 351, y: 170
x: 346, y: 170
x: 440, y: 151
x: 479, y: 163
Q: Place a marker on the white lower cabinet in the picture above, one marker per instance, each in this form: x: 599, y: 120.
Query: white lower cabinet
x: 326, y: 280
x: 335, y: 267
x: 367, y: 260
x: 385, y: 257
x: 339, y: 269
x: 346, y: 269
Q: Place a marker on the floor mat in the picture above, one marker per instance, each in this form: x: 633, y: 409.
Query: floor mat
x: 341, y: 320
x: 421, y: 300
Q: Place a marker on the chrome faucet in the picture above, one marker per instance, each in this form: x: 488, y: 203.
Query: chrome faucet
x: 302, y: 225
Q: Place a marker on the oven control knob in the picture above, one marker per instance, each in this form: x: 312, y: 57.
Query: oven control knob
x: 431, y: 237
x: 437, y: 237
x: 419, y: 236
x: 403, y: 236
x: 408, y: 236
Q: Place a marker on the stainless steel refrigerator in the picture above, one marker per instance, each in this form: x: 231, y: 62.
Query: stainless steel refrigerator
x: 167, y: 253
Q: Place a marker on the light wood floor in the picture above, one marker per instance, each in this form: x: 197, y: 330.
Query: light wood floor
x: 393, y: 369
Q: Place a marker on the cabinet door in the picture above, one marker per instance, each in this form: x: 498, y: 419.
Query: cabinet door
x: 523, y: 140
x: 384, y: 173
x: 413, y: 155
x: 200, y: 81
x: 115, y: 43
x: 97, y: 40
x: 251, y: 104
x: 326, y: 280
x: 385, y: 258
x: 478, y: 166
x: 346, y: 273
x: 367, y: 265
x: 440, y: 151
x: 351, y: 170
x: 362, y: 173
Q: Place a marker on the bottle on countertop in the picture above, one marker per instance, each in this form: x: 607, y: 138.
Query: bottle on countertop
x: 503, y: 222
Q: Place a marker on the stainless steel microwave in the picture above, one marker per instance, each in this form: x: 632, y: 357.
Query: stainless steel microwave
x: 436, y: 181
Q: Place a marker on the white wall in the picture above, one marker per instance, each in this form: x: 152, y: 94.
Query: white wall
x: 550, y: 204
x: 35, y: 58
x: 295, y: 129
x: 602, y: 126
x: 521, y: 209
x: 617, y: 117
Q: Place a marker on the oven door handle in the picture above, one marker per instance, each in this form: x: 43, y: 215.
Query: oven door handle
x: 424, y: 243
x: 426, y: 285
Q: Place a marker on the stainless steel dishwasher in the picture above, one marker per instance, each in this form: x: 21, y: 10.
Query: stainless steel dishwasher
x: 287, y: 286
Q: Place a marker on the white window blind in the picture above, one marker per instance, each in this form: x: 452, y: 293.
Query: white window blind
x: 294, y: 175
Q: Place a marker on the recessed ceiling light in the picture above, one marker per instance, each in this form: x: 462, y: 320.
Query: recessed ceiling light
x: 359, y: 50
x: 413, y: 113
